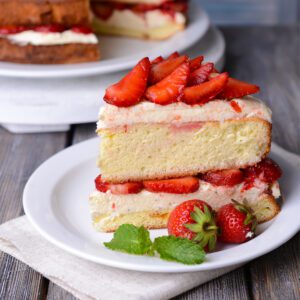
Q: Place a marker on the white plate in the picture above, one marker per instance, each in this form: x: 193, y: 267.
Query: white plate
x: 56, y: 202
x: 117, y: 53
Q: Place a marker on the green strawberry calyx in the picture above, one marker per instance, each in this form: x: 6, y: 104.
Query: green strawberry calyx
x: 205, y: 227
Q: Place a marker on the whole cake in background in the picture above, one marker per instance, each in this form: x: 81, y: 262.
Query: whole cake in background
x: 149, y: 19
x: 47, y: 32
x: 176, y: 129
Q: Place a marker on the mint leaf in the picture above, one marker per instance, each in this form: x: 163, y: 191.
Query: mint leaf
x: 131, y: 239
x: 179, y: 249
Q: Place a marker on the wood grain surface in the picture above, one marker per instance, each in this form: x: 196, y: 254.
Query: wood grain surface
x: 267, y: 56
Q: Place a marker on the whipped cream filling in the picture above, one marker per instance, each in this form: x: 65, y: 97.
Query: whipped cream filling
x: 216, y: 196
x: 111, y: 116
x: 155, y: 18
x: 31, y: 37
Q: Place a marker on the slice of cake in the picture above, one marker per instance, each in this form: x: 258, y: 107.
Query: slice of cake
x: 176, y: 129
x: 48, y: 44
x: 37, y: 12
x: 178, y: 125
x: 156, y: 19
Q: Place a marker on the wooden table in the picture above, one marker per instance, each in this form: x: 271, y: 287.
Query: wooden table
x: 267, y: 56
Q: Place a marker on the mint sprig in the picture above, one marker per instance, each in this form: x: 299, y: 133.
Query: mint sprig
x: 179, y: 249
x: 131, y: 239
x: 136, y: 240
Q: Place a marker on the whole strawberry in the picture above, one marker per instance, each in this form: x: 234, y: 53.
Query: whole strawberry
x: 236, y: 223
x: 194, y: 219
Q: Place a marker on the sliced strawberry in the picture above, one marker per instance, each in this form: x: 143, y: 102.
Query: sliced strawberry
x: 53, y: 28
x: 129, y: 90
x: 266, y: 170
x: 196, y: 63
x: 170, y: 89
x: 11, y: 29
x: 174, y: 55
x: 184, y: 185
x: 82, y: 29
x: 101, y: 186
x: 201, y: 74
x: 228, y: 177
x: 236, y: 89
x: 118, y: 189
x: 235, y: 106
x: 126, y: 188
x: 160, y: 71
x: 204, y: 92
x: 157, y: 60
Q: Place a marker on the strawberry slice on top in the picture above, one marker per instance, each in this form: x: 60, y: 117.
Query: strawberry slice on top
x: 161, y: 70
x: 237, y: 89
x: 204, y: 92
x: 184, y: 185
x: 170, y: 89
x: 130, y: 90
x: 196, y: 63
x: 201, y: 74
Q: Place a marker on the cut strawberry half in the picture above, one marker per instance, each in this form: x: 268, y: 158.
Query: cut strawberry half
x: 201, y: 74
x: 118, y: 189
x: 266, y: 170
x: 161, y: 70
x: 131, y: 88
x: 184, y: 185
x: 229, y: 177
x: 12, y: 29
x: 53, y: 28
x: 236, y: 89
x: 170, y: 89
x: 157, y: 60
x: 196, y: 63
x: 204, y: 92
x: 173, y: 55
x: 81, y: 29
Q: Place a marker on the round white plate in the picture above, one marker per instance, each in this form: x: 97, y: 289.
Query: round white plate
x: 56, y: 202
x: 117, y: 53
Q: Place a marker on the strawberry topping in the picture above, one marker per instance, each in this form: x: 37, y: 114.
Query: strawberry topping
x: 204, y: 92
x: 236, y: 89
x: 160, y: 71
x: 82, y: 29
x: 174, y: 55
x: 196, y: 63
x: 235, y: 106
x: 170, y: 89
x: 201, y: 74
x: 53, y: 28
x: 184, y: 185
x: 11, y: 29
x: 131, y: 88
x: 229, y: 177
x: 118, y: 189
x: 157, y: 60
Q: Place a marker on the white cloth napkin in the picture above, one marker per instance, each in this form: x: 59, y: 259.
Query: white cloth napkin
x: 88, y: 280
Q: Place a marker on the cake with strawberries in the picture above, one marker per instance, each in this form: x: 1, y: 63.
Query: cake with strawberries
x: 47, y: 32
x: 149, y: 19
x: 176, y: 129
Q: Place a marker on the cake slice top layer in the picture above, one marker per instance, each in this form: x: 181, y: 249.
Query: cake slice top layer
x: 111, y: 116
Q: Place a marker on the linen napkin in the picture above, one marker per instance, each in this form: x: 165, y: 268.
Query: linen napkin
x: 88, y: 280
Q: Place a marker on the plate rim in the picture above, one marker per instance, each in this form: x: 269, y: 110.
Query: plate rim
x: 9, y: 69
x: 171, y: 267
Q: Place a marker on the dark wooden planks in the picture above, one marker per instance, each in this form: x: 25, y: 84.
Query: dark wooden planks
x: 20, y: 155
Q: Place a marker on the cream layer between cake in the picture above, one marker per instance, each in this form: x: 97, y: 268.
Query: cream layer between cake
x: 111, y: 116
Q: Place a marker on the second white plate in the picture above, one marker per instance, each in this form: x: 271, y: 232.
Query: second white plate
x: 56, y: 202
x: 118, y: 53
